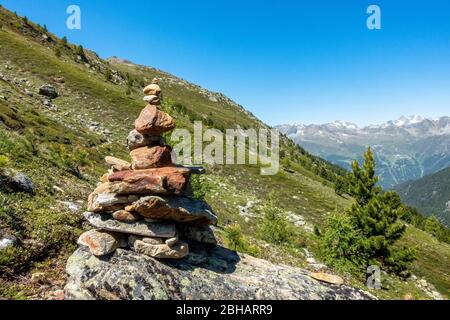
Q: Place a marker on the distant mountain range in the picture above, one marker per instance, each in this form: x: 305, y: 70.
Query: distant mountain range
x: 431, y: 194
x: 408, y: 148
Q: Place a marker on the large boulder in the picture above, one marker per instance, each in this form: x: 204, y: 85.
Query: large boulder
x: 48, y: 91
x: 219, y: 274
x: 11, y: 181
x: 179, y: 209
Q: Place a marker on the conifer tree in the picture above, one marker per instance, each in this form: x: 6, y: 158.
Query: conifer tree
x: 274, y: 227
x: 375, y: 218
x: 363, y: 180
x: 80, y: 51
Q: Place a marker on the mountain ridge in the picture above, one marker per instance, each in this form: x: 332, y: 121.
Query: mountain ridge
x: 408, y: 148
x: 430, y: 194
x: 402, y: 121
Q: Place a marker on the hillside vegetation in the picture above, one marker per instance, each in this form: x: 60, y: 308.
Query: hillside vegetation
x: 430, y: 195
x: 60, y: 145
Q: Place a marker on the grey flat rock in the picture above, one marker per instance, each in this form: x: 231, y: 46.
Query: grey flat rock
x: 140, y: 228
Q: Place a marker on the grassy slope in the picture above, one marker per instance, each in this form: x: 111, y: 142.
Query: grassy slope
x: 45, y: 144
x: 429, y: 194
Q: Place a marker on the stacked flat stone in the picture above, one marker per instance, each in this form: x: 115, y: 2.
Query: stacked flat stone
x: 145, y: 205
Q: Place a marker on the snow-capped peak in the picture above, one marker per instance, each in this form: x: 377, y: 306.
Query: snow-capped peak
x: 404, y: 121
x: 344, y: 124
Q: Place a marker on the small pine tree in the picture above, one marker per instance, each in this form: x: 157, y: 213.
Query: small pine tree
x: 45, y: 28
x: 274, y: 227
x: 235, y: 240
x: 233, y: 237
x: 379, y: 224
x: 25, y: 20
x: 80, y: 51
x: 199, y: 186
x: 64, y: 40
x: 340, y: 243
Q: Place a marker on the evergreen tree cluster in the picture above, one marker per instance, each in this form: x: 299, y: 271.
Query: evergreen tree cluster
x: 366, y: 234
x: 343, y: 185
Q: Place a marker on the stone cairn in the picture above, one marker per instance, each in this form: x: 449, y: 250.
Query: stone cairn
x: 146, y: 205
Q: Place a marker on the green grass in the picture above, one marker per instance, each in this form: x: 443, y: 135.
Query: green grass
x: 433, y: 262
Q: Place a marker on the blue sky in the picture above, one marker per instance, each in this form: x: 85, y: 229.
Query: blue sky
x: 286, y: 61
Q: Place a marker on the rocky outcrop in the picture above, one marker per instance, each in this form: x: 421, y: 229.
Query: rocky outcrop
x: 206, y: 273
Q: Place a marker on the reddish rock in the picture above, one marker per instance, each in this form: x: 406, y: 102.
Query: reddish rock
x: 167, y: 180
x: 153, y: 121
x: 104, y: 199
x: 125, y: 216
x: 151, y: 157
x: 58, y: 295
x: 179, y: 209
x: 100, y: 243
